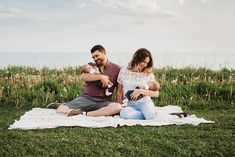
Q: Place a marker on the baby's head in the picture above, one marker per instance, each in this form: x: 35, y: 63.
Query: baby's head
x: 153, y: 85
x: 86, y: 68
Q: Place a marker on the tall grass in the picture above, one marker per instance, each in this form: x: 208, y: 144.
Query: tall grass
x: 190, y: 88
x: 21, y: 86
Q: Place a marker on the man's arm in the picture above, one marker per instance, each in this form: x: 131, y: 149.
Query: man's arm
x: 94, y: 77
x: 119, y: 94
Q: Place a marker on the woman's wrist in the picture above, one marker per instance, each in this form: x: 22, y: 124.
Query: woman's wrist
x: 141, y: 91
x: 146, y: 86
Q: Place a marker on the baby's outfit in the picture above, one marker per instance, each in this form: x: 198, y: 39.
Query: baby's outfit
x: 95, y: 70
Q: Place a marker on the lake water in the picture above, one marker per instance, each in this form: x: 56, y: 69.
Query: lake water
x: 176, y: 60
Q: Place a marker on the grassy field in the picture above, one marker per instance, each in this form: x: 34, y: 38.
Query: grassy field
x: 208, y: 94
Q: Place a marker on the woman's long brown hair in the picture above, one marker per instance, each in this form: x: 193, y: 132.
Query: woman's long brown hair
x: 139, y: 56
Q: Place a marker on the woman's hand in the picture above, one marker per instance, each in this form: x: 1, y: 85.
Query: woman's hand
x: 135, y: 94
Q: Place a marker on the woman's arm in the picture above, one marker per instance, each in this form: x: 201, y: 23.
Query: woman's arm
x: 149, y: 92
x: 119, y: 93
x: 146, y: 92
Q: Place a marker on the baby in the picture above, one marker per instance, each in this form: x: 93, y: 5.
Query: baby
x: 87, y: 68
x: 152, y: 85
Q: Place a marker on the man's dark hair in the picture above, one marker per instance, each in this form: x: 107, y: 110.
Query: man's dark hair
x: 99, y: 48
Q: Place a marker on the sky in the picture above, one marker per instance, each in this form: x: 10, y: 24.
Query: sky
x: 163, y: 26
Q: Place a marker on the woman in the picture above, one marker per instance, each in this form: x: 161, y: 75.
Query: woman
x: 138, y: 73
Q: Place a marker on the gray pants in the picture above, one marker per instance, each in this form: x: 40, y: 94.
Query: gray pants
x: 88, y: 103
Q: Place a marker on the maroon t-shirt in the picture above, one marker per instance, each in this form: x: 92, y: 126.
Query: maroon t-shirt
x: 111, y: 70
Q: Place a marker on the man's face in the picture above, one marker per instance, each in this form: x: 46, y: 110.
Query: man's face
x: 99, y: 57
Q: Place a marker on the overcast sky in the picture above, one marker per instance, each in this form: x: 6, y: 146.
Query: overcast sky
x: 163, y: 26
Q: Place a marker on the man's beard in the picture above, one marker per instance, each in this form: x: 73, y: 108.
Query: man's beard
x: 99, y: 61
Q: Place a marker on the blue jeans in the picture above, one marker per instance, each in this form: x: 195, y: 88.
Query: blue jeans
x: 138, y: 110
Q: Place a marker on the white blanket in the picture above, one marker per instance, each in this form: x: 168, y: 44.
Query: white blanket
x: 41, y: 118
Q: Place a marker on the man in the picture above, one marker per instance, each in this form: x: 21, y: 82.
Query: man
x: 94, y: 102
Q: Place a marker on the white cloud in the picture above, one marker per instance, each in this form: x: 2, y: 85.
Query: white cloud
x: 127, y: 7
x: 32, y: 15
x: 204, y: 1
x: 148, y: 6
x: 185, y: 2
x: 9, y: 12
x: 69, y: 25
x: 182, y: 2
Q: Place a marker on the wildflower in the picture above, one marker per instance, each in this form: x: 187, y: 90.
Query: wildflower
x: 34, y: 77
x: 17, y: 75
x: 174, y: 82
x: 163, y: 77
x: 231, y: 91
x: 65, y: 90
x: 230, y: 78
x: 196, y: 78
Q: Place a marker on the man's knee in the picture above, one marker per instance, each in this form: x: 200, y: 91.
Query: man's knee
x: 116, y: 107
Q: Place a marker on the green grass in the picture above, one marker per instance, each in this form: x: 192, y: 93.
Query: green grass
x: 208, y: 94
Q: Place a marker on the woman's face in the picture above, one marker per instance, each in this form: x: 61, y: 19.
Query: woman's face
x: 143, y: 64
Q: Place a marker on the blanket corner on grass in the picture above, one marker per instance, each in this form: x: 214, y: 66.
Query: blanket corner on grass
x: 42, y: 118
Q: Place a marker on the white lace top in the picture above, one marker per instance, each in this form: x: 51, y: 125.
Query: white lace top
x: 130, y: 80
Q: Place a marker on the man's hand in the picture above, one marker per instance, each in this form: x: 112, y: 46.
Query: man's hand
x: 105, y: 80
